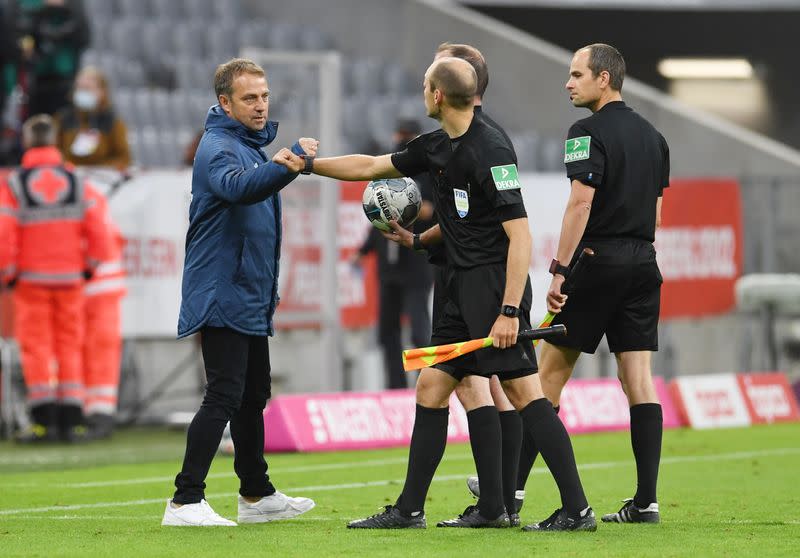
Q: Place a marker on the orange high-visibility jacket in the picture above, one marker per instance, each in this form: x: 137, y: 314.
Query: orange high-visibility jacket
x: 51, y: 224
x: 109, y: 276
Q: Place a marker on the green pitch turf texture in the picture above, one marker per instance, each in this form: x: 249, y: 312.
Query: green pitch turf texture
x: 723, y: 493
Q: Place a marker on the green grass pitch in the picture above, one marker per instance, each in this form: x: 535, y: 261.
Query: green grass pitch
x: 722, y: 493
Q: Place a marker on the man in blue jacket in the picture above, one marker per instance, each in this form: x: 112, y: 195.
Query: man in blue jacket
x: 230, y: 282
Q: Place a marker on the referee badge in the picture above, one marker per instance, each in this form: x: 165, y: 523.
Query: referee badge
x: 462, y: 202
x: 577, y: 149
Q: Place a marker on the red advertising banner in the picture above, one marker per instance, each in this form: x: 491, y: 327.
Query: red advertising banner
x: 300, y: 262
x: 710, y: 401
x: 699, y: 247
x: 769, y: 397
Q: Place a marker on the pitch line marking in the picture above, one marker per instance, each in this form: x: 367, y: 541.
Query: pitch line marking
x: 401, y: 461
x: 442, y: 478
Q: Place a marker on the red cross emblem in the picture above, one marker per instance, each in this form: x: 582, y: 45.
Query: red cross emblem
x: 48, y: 186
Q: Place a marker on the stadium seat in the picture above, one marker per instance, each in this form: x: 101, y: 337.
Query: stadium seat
x: 367, y: 75
x: 168, y: 9
x: 141, y: 108
x: 381, y: 120
x: 354, y: 120
x: 312, y: 38
x: 222, y: 42
x: 189, y: 39
x: 162, y: 109
x: 281, y: 36
x: 254, y: 34
x: 551, y: 155
x: 526, y: 145
x: 122, y: 101
x: 136, y: 8
x: 229, y: 11
x: 125, y: 37
x: 397, y: 81
x: 102, y: 10
x: 412, y: 106
x: 149, y: 145
x: 133, y: 145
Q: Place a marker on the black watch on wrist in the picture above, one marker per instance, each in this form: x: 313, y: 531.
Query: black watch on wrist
x: 417, y: 245
x: 309, y: 164
x: 557, y: 268
x: 509, y: 311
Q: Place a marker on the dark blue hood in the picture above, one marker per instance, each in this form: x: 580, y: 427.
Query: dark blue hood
x: 217, y: 118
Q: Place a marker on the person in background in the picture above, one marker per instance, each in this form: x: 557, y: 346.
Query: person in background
x: 10, y: 56
x: 102, y: 348
x: 90, y: 131
x: 404, y: 277
x: 52, y: 34
x: 53, y: 236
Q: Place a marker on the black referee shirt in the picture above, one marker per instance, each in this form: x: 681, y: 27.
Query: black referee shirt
x: 436, y: 254
x: 476, y: 186
x: 624, y: 158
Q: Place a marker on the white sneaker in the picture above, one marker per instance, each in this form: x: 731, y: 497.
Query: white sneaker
x: 270, y: 508
x: 194, y: 515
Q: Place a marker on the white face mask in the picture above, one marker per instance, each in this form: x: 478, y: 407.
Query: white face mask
x: 85, y: 100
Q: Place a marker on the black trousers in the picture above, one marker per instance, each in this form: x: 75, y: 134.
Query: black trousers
x: 394, y: 301
x: 238, y: 387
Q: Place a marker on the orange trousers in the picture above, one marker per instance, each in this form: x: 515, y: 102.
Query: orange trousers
x: 49, y: 327
x: 102, y: 352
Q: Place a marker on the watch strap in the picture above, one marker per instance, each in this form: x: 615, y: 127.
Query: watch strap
x: 309, y: 164
x: 417, y: 245
x: 510, y: 311
x: 557, y: 268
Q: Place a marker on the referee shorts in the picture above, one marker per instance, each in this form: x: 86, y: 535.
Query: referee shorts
x: 467, y: 305
x: 619, y: 295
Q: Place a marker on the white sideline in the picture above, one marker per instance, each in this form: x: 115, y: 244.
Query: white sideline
x: 442, y: 478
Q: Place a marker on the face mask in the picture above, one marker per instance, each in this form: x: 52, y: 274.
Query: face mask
x: 85, y: 100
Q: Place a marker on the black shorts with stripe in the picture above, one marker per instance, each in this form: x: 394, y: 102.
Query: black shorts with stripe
x: 617, y: 295
x: 466, y: 304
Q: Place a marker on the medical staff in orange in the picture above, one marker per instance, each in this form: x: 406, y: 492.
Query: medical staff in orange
x: 56, y: 236
x: 102, y: 349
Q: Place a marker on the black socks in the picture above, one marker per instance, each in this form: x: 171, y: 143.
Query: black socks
x: 511, y: 426
x: 428, y: 441
x: 542, y: 424
x: 527, y: 457
x: 646, y: 430
x: 487, y: 450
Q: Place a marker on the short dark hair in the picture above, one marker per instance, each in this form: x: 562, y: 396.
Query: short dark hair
x: 605, y: 58
x: 474, y: 57
x: 226, y: 73
x: 458, y: 87
x: 39, y: 131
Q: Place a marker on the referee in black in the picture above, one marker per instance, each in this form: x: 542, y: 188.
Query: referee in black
x: 618, y: 165
x: 484, y: 228
x: 510, y: 421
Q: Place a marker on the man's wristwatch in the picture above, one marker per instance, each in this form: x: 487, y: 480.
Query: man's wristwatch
x: 509, y: 311
x: 417, y: 245
x: 309, y: 161
x: 557, y: 268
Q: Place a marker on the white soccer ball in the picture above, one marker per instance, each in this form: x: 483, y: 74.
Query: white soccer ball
x: 390, y: 199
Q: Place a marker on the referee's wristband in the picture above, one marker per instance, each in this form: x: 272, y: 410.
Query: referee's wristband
x: 417, y: 244
x: 557, y: 268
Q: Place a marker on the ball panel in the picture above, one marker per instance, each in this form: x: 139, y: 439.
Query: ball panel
x: 391, y: 199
